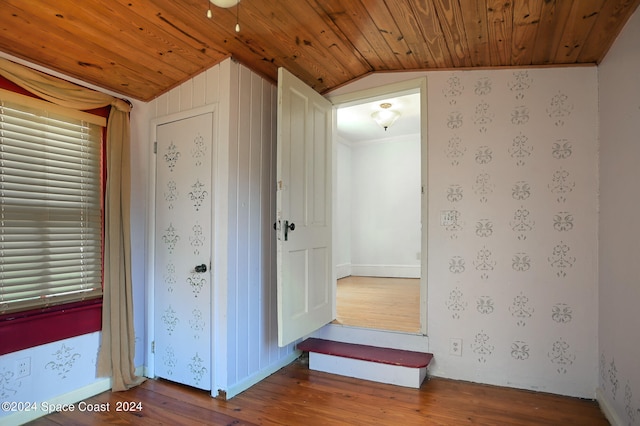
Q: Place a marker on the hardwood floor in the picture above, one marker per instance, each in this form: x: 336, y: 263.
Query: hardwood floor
x: 297, y: 396
x: 380, y: 303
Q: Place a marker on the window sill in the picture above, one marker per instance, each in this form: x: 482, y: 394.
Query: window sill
x: 20, y: 331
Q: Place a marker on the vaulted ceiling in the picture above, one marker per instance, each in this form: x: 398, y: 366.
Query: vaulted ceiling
x: 143, y: 48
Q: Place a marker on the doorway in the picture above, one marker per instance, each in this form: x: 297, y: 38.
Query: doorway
x: 379, y: 209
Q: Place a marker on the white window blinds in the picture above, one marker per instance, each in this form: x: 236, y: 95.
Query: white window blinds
x: 50, y: 208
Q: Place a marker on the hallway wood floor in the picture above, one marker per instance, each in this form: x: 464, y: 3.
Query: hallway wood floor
x: 379, y: 303
x: 296, y: 395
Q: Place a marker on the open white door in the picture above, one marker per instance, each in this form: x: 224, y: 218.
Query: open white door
x: 305, y: 267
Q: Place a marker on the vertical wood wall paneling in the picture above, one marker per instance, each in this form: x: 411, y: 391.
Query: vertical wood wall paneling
x: 252, y: 161
x: 244, y: 278
x: 212, y: 85
x: 255, y: 265
x: 174, y: 99
x: 243, y: 223
x: 221, y: 92
x: 160, y: 106
x: 186, y: 95
x: 198, y: 93
x: 232, y: 225
x: 268, y: 316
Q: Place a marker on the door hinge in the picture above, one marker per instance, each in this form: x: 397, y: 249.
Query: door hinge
x: 153, y: 347
x: 155, y: 147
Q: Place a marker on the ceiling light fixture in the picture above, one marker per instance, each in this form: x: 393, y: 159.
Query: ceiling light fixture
x: 225, y: 4
x: 386, y: 116
x: 238, y: 17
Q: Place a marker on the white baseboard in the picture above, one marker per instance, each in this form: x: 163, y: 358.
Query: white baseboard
x: 343, y: 270
x: 262, y: 374
x: 390, y: 271
x: 73, y: 397
x: 608, y: 410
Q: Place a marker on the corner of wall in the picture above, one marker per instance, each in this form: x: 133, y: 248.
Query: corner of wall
x: 607, y: 408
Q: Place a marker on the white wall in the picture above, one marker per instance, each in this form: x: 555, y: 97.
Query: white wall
x: 245, y: 345
x: 514, y: 153
x: 385, y: 207
x: 343, y: 211
x: 140, y: 149
x: 619, y: 269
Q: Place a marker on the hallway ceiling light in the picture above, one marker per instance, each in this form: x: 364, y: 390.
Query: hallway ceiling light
x: 385, y: 117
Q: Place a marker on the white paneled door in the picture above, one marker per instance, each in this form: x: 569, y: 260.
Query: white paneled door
x: 183, y: 233
x: 305, y: 267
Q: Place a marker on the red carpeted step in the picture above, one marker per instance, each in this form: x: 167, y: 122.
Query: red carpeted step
x: 367, y: 353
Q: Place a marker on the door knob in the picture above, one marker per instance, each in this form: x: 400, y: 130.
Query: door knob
x: 201, y: 268
x: 288, y: 227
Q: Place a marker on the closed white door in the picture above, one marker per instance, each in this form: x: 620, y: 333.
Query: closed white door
x: 183, y: 241
x: 305, y: 266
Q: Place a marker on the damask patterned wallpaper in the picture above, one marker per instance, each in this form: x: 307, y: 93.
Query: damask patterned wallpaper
x: 52, y: 372
x: 619, y: 244
x: 513, y: 187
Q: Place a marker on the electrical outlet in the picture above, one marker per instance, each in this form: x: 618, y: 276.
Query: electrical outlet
x: 23, y: 367
x: 455, y: 346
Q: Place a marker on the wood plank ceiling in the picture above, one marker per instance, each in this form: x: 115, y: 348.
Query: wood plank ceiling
x: 143, y: 48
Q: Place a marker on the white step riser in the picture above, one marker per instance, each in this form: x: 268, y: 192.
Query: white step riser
x: 367, y: 370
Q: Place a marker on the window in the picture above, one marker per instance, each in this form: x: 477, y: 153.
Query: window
x: 50, y: 212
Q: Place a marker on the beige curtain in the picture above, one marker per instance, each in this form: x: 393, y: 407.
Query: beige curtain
x: 115, y: 358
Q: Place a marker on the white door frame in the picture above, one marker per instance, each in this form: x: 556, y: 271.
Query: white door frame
x: 397, y: 89
x: 151, y: 237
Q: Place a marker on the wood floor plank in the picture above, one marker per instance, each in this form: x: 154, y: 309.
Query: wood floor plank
x: 379, y: 303
x: 296, y: 395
